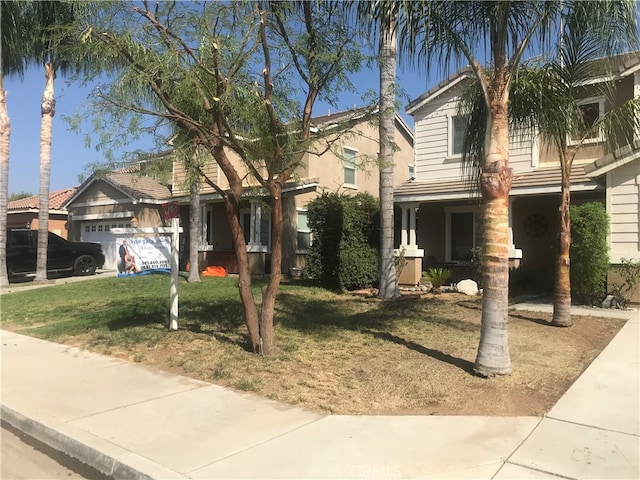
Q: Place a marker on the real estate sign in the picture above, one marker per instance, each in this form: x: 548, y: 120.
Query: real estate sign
x: 148, y: 252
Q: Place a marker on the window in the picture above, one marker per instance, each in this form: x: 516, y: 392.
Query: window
x: 591, y: 110
x: 350, y: 158
x: 256, y: 224
x: 205, y: 227
x: 412, y: 172
x: 461, y: 234
x: 457, y: 126
x: 304, y: 232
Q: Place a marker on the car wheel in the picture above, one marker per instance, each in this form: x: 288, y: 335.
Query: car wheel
x: 85, y: 265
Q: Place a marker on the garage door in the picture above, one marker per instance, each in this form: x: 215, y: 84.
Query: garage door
x: 100, y: 232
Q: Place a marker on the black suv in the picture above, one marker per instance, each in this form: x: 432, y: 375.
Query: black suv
x: 81, y: 258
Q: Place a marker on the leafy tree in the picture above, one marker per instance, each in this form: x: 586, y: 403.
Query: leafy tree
x: 229, y: 76
x: 17, y: 196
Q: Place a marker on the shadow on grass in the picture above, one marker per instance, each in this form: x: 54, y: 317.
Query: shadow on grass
x: 539, y: 321
x: 461, y: 363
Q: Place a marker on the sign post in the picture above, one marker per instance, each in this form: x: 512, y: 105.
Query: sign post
x: 172, y: 213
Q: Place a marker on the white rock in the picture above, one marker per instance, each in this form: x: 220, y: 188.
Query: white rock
x: 468, y: 287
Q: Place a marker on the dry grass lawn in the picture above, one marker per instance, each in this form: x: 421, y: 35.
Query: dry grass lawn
x: 347, y: 354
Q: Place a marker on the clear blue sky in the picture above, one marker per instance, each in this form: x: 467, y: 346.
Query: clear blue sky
x: 69, y: 156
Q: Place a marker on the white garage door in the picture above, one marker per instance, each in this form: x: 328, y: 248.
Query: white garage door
x: 100, y: 232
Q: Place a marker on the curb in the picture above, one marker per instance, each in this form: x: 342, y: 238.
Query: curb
x: 103, y: 456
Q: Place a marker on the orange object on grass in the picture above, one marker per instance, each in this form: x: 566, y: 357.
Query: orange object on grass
x: 212, y: 271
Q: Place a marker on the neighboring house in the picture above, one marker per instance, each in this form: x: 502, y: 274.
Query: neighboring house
x: 121, y: 199
x: 349, y: 167
x: 23, y: 213
x: 441, y: 210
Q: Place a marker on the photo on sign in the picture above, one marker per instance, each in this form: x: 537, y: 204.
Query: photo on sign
x: 141, y: 255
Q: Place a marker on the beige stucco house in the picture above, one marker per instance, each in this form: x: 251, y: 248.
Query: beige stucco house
x: 349, y: 166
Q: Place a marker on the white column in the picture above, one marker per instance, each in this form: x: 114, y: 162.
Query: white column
x: 405, y: 226
x: 412, y: 226
x: 636, y: 94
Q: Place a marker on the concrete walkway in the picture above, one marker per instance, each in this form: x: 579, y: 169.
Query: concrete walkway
x: 130, y: 421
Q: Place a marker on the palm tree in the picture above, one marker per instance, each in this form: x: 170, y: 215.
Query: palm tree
x: 446, y: 31
x: 42, y: 17
x: 14, y: 44
x: 546, y: 99
x: 387, y: 105
x: 442, y: 32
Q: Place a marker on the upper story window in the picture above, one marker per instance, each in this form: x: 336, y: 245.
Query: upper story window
x: 412, y: 172
x: 591, y: 110
x: 457, y: 126
x: 350, y: 159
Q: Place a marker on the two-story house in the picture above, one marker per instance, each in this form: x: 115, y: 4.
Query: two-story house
x: 349, y: 166
x: 441, y: 209
x: 126, y: 198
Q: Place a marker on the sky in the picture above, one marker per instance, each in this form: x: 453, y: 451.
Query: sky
x: 70, y: 156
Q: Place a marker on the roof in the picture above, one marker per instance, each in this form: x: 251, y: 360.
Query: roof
x: 617, y: 66
x: 610, y: 68
x: 333, y: 119
x: 56, y: 201
x: 139, y: 188
x: 540, y: 180
x: 616, y: 159
x: 439, y: 89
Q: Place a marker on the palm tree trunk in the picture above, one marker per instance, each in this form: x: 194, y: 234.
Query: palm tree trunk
x: 493, y: 351
x: 388, y: 287
x: 562, y: 291
x: 194, y: 232
x: 5, y: 134
x: 46, y: 129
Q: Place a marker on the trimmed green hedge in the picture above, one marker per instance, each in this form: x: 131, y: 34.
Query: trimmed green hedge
x: 589, y: 252
x: 344, y: 252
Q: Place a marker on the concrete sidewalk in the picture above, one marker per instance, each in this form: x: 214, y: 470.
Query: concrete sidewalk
x: 130, y: 421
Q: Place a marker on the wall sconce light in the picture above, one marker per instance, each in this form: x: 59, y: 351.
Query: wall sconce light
x: 134, y: 222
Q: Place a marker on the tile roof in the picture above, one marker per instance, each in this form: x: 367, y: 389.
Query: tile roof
x: 56, y: 199
x: 139, y: 186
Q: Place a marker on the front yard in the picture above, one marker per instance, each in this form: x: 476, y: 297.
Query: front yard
x: 335, y: 353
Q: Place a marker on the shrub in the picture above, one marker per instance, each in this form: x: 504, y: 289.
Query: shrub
x: 629, y: 271
x: 345, y: 230
x: 437, y: 277
x: 589, y: 254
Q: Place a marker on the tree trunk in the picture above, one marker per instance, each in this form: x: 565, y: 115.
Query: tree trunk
x: 388, y: 287
x: 493, y: 351
x: 5, y: 134
x: 562, y: 291
x: 194, y: 231
x: 270, y: 291
x: 46, y: 129
x: 232, y: 211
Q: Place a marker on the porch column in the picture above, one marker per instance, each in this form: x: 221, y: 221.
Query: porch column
x: 636, y: 94
x: 411, y: 270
